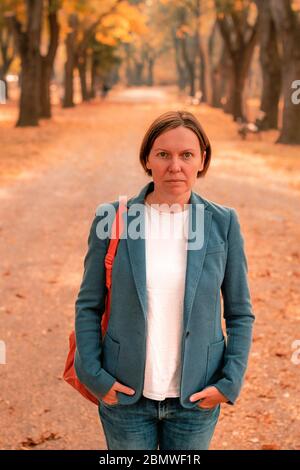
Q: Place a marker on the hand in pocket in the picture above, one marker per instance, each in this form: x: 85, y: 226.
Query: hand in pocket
x: 111, y: 397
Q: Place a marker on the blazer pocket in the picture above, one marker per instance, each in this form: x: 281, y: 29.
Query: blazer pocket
x: 110, y: 354
x: 215, y: 361
x: 216, y: 248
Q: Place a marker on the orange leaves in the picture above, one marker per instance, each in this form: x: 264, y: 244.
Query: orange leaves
x: 117, y: 21
x: 295, y: 5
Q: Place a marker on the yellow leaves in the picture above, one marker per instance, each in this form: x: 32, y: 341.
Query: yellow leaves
x: 107, y: 40
x: 87, y: 7
x: 119, y: 32
x: 68, y: 7
x: 115, y: 20
x: 17, y: 7
x: 295, y: 5
x: 116, y: 26
x: 239, y: 5
x: 118, y: 23
x: 167, y: 2
x: 137, y: 20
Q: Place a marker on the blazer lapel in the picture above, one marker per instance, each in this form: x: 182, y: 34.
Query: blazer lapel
x: 137, y: 256
x: 137, y: 248
x: 195, y: 257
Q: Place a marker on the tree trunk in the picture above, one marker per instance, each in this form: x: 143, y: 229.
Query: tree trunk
x: 228, y: 98
x: 271, y: 67
x: 68, y: 101
x: 150, y: 71
x: 190, y: 65
x: 138, y: 72
x: 128, y: 64
x: 218, y: 76
x: 47, y: 62
x: 29, y: 48
x: 240, y: 72
x: 240, y: 68
x: 81, y: 65
x: 180, y: 70
x: 240, y: 50
x: 202, y: 74
x: 288, y: 27
x: 29, y: 101
x: 94, y: 77
x: 45, y: 102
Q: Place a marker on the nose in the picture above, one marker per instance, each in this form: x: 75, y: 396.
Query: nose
x: 175, y: 165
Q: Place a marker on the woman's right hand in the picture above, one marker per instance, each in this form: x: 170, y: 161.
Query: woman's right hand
x: 111, y: 397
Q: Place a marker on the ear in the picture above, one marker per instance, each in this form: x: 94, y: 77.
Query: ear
x: 202, y: 160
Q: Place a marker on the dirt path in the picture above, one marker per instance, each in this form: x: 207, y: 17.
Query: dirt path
x: 89, y: 155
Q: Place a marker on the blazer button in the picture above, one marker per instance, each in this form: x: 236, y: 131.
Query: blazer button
x: 187, y: 333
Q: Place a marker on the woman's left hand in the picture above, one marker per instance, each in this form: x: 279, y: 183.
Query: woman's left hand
x: 210, y: 397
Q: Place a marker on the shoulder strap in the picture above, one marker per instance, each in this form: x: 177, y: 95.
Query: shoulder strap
x: 117, y: 229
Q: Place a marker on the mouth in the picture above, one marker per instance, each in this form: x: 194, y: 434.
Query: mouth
x: 174, y: 181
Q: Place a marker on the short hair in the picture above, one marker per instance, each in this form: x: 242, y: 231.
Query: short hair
x: 171, y: 120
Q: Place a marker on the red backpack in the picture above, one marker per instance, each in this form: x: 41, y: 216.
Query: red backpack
x: 69, y: 374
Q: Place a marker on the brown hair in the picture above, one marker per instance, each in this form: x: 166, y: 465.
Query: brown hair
x: 171, y: 120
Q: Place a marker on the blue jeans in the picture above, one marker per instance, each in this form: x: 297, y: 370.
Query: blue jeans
x: 148, y: 423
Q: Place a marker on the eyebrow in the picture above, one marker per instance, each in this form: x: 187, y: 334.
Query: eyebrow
x: 159, y: 148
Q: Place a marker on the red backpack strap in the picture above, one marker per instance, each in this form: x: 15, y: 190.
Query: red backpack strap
x: 117, y: 229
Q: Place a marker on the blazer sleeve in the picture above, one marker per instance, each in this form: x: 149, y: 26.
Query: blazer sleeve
x: 89, y: 308
x: 237, y: 313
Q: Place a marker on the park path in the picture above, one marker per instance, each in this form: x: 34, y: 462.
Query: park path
x: 88, y: 155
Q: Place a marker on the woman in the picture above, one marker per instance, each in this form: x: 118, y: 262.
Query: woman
x: 164, y: 367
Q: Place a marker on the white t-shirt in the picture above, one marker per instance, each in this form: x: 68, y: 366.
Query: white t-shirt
x: 166, y: 258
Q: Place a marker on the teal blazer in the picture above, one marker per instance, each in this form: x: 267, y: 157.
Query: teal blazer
x: 217, y: 269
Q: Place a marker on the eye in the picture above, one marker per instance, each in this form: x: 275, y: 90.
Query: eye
x: 160, y: 153
x: 188, y: 153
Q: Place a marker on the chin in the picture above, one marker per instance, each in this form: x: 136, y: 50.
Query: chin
x: 178, y: 189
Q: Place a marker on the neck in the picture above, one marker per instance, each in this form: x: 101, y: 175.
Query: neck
x: 158, y: 197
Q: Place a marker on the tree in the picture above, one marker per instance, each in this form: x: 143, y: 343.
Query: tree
x: 7, y: 44
x: 70, y: 63
x: 270, y: 61
x: 187, y: 43
x: 28, y: 42
x: 220, y: 67
x: 109, y: 22
x: 36, y: 69
x: 47, y: 60
x: 239, y: 31
x: 81, y: 33
x: 104, y: 63
x: 287, y: 20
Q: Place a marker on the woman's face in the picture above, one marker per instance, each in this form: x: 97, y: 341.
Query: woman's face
x: 175, y: 159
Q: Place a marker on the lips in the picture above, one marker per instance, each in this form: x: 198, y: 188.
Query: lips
x: 174, y: 181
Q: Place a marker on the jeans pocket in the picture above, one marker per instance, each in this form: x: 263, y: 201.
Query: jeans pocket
x: 108, y: 405
x: 207, y: 410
